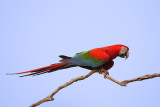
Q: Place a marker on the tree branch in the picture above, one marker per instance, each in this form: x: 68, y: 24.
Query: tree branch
x: 141, y: 78
x: 50, y: 97
x: 106, y: 75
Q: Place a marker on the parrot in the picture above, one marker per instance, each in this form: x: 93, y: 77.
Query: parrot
x: 94, y: 59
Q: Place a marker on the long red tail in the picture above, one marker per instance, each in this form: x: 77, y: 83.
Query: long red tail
x: 46, y: 69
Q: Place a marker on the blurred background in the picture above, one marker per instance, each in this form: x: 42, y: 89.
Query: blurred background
x: 34, y: 33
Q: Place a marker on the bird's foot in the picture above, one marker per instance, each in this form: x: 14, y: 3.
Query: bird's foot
x: 100, y: 71
x: 104, y: 72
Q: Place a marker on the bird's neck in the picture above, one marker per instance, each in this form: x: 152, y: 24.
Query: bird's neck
x: 112, y: 51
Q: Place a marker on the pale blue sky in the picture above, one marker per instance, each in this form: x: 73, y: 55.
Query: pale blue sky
x: 35, y: 32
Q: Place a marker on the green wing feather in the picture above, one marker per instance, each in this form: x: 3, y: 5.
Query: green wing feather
x: 86, y: 59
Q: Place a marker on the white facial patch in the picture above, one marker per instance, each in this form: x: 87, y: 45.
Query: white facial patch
x: 123, y: 51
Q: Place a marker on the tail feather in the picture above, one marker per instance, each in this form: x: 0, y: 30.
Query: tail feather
x: 46, y: 69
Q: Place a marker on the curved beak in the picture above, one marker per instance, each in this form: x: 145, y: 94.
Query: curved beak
x: 127, y: 54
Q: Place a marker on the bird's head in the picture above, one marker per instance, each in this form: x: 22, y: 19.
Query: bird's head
x: 124, y: 52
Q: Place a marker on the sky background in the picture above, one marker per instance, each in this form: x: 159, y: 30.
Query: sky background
x: 34, y: 33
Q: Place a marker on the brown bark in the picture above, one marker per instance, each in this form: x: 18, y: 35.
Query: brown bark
x: 50, y: 97
x: 121, y: 83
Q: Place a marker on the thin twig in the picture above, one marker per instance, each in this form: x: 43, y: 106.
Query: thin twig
x: 141, y: 78
x: 114, y: 80
x: 50, y: 97
x: 150, y: 76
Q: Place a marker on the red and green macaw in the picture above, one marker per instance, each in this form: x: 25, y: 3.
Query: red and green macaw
x: 95, y: 59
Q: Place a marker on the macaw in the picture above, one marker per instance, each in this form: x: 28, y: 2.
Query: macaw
x: 94, y: 59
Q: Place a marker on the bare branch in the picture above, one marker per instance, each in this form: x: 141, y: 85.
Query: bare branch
x: 114, y: 80
x: 106, y: 75
x: 125, y: 82
x: 50, y: 97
